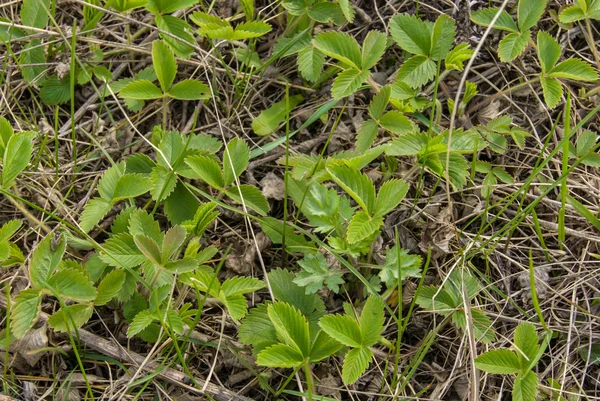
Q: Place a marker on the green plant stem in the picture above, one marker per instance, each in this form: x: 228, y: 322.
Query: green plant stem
x: 479, y: 105
x: 310, y: 384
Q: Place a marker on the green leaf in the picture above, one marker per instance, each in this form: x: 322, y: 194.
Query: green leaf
x: 149, y: 248
x: 6, y: 132
x: 575, y: 69
x: 399, y: 263
x: 526, y: 341
x: 485, y: 16
x: 389, y: 196
x: 362, y: 226
x: 174, y: 321
x: 548, y: 50
x: 108, y: 182
x: 288, y: 46
x: 371, y: 321
x: 572, y: 14
x: 25, y: 310
x: 204, y: 216
x: 285, y: 290
x: 241, y: 285
x: 310, y: 62
x: 315, y: 273
x: 396, y: 122
x: 355, y: 364
x: 417, y: 71
x: 500, y: 361
x: 442, y: 37
x: 162, y: 183
x: 236, y: 306
x: 457, y: 169
x: 32, y: 59
x: 131, y: 186
x: 45, y: 260
x: 181, y: 44
x: 93, y: 212
x: 140, y: 322
x: 256, y: 328
x: 347, y: 9
x: 323, y: 346
x: 275, y: 230
x: 252, y: 29
x: 180, y: 205
x: 168, y: 6
x: 109, y: 287
x: 457, y: 56
x: 280, y: 356
x: 482, y: 327
x: 142, y: 223
x: 34, y: 13
x: 343, y: 329
x: 235, y: 160
x: 327, y: 12
x: 141, y: 90
x: 525, y: 387
x: 9, y: 229
x: 513, y: 45
x: 250, y: 196
x: 54, y: 92
x: 357, y: 185
x: 348, y: 82
x: 120, y: 251
x: 380, y: 102
x: 585, y: 142
x: 366, y: 135
x: 373, y: 49
x: 552, y: 91
x: 434, y: 299
x: 123, y: 6
x: 268, y: 120
x: 411, y: 34
x: 73, y: 284
x: 207, y: 169
x: 340, y: 46
x: 16, y: 157
x: 529, y: 12
x: 71, y: 317
x: 407, y: 145
x: 291, y: 326
x: 189, y: 89
x: 172, y: 241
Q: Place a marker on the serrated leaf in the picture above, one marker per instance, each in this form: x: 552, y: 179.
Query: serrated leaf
x: 131, y: 186
x: 417, y: 71
x: 310, y: 62
x: 513, y: 45
x: 343, y: 329
x: 256, y: 328
x: 120, y: 251
x: 125, y: 5
x: 204, y: 216
x: 585, y: 142
x: 168, y: 6
x: 457, y: 169
x: 357, y: 185
x: 140, y: 222
x: 25, y: 310
x: 73, y: 284
x: 482, y: 327
x: 189, y: 89
x: 241, y: 285
x: 164, y: 64
x: 362, y: 226
x: 280, y: 356
x: 485, y: 16
x: 34, y: 13
x: 288, y: 46
x: 93, y: 212
x: 407, y: 145
x: 16, y: 157
x: 389, y: 196
x: 348, y: 82
x: 323, y: 346
x: 347, y: 9
x: 108, y: 182
x: 434, y: 299
x: 366, y: 135
x: 442, y: 37
x: 457, y: 56
x: 356, y: 362
x: 172, y: 241
x: 500, y: 361
x: 9, y: 229
x: 268, y: 120
x: 411, y: 34
x: 372, y: 49
x: 548, y: 50
x: 6, y: 132
x: 575, y: 69
x: 162, y: 183
x: 149, y: 248
x: 399, y: 265
x: 251, y: 29
x: 44, y: 260
x: 250, y: 196
x: 327, y: 12
x: 174, y: 321
x: 236, y: 306
x: 180, y: 205
x: 275, y: 230
x: 141, y: 90
x: 396, y: 122
x: 181, y: 44
x: 140, y: 322
x: 109, y: 287
x: 529, y: 13
x: 54, y: 92
x: 526, y: 341
x: 572, y: 14
x: 525, y: 387
x: 315, y: 274
x: 207, y: 169
x: 285, y: 290
x: 235, y: 160
x: 552, y: 91
x: 71, y: 317
x: 291, y: 326
x: 371, y: 321
x: 380, y: 102
x: 340, y: 46
x: 32, y: 59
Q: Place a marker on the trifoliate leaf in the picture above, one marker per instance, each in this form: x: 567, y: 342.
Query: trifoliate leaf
x: 316, y: 273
